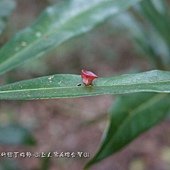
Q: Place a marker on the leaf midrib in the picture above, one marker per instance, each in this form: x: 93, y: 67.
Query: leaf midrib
x: 71, y: 87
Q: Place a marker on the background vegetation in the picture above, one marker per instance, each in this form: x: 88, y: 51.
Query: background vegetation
x: 109, y: 37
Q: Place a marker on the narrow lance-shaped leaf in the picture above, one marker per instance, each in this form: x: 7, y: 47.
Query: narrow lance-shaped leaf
x: 56, y: 25
x: 67, y: 86
x: 130, y: 116
x: 159, y: 20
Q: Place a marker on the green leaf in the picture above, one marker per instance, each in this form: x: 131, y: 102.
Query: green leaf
x: 145, y: 34
x: 130, y: 116
x: 67, y: 86
x: 15, y: 135
x: 56, y: 25
x: 6, y: 8
x: 159, y: 20
x: 145, y: 38
x: 155, y: 28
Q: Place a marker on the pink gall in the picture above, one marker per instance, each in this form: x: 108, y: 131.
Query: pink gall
x: 88, y: 77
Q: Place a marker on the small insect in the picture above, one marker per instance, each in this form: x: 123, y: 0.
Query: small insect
x: 79, y: 84
x: 88, y: 77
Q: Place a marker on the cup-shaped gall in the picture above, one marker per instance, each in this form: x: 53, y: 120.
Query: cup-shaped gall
x: 88, y: 77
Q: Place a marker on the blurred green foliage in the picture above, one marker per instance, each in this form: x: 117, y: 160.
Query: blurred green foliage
x: 9, y: 164
x: 6, y: 8
x: 15, y: 135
